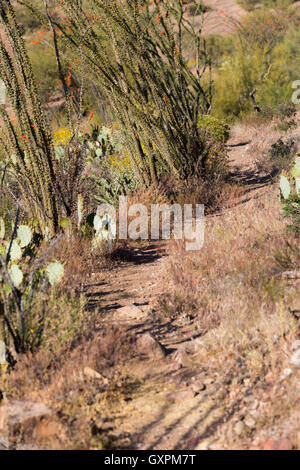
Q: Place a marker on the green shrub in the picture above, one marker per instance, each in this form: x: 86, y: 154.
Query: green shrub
x: 265, y: 57
x: 44, y: 67
x: 290, y: 196
x: 249, y: 5
x: 217, y: 128
x: 26, y: 21
x: 281, y: 154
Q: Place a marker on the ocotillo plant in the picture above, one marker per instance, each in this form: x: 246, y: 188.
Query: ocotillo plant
x: 134, y: 52
x: 25, y: 136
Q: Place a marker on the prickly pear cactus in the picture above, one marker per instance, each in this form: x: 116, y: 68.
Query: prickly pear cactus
x: 16, y: 275
x: 105, y: 228
x: 24, y: 235
x: 2, y: 228
x: 22, y: 278
x: 55, y: 272
x: 290, y: 196
x: 15, y: 253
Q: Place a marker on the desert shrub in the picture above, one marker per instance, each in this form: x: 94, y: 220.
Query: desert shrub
x: 63, y: 322
x: 44, y: 68
x: 264, y: 58
x: 103, y: 168
x: 197, y: 8
x: 26, y: 21
x: 237, y: 77
x: 281, y: 153
x: 109, y: 165
x: 290, y: 196
x: 218, y: 129
x: 284, y: 115
x: 277, y: 85
x: 218, y: 47
x: 249, y: 5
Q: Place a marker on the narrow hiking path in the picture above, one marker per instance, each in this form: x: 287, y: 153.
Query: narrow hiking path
x: 175, y: 401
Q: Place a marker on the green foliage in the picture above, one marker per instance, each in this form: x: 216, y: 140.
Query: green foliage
x: 103, y: 163
x: 264, y: 54
x: 44, y: 67
x: 290, y: 196
x: 282, y: 153
x: 285, y: 115
x: 26, y: 21
x: 249, y: 5
x: 109, y: 166
x: 217, y: 128
x: 23, y: 278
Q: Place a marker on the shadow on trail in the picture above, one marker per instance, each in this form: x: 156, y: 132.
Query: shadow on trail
x: 139, y: 256
x: 112, y: 298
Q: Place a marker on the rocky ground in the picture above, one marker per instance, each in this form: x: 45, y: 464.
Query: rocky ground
x: 171, y: 395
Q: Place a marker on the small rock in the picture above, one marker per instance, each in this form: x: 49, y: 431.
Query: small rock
x: 198, y: 387
x: 181, y: 357
x: 295, y: 359
x: 16, y: 415
x: 129, y: 312
x: 247, y: 382
x: 296, y: 345
x: 252, y: 403
x: 93, y: 374
x: 149, y: 346
x: 180, y: 397
x: 250, y: 422
x: 280, y: 444
x: 255, y: 414
x: 4, y: 444
x: 239, y: 428
x: 286, y: 373
x: 215, y: 446
x: 203, y: 445
x: 208, y: 381
x: 249, y: 399
x: 269, y: 378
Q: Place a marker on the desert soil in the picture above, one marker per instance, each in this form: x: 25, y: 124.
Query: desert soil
x: 177, y: 400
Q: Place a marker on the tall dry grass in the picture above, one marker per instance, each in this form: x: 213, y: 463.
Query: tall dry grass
x: 233, y: 287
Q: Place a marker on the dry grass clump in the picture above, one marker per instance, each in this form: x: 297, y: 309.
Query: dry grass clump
x: 80, y: 261
x: 83, y: 384
x: 233, y: 287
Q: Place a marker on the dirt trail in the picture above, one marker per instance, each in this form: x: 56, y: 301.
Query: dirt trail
x: 176, y: 403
